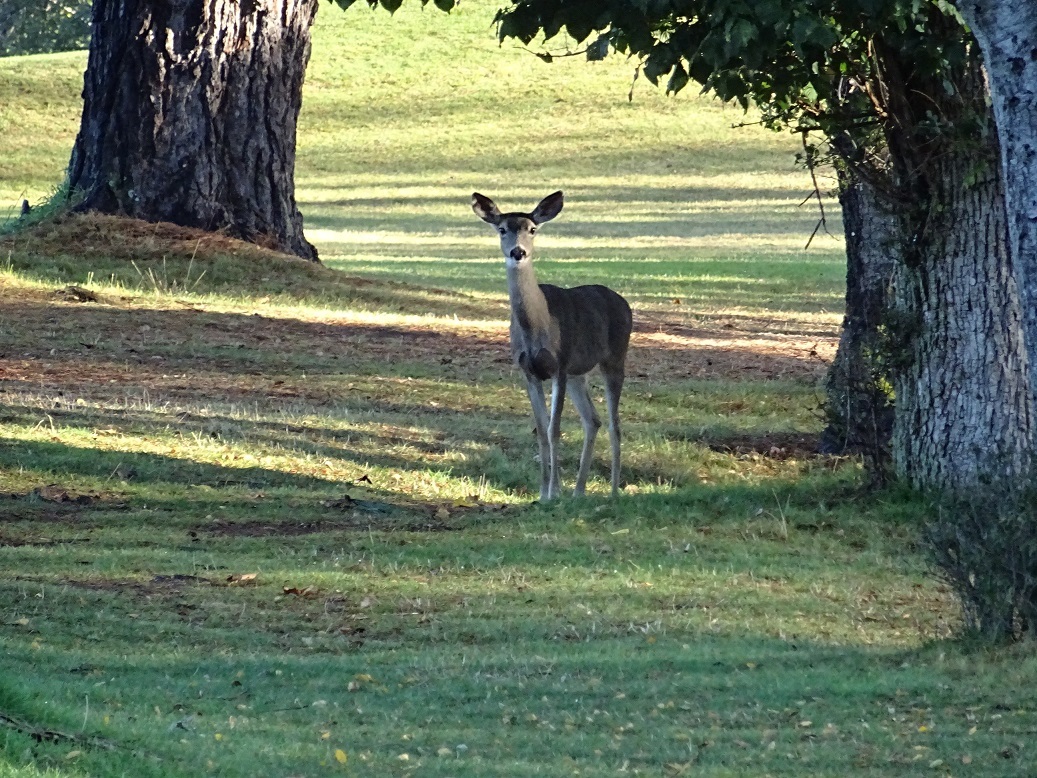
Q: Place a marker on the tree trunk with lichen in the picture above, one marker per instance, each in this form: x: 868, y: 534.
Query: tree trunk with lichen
x: 190, y: 112
x: 964, y: 412
x: 1007, y: 34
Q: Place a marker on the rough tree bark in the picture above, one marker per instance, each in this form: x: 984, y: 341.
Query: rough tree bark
x: 964, y: 411
x: 190, y: 112
x: 859, y: 401
x: 1007, y: 34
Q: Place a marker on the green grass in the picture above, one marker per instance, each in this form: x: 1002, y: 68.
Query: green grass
x: 257, y: 517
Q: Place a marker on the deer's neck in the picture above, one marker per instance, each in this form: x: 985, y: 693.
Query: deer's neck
x: 528, y: 304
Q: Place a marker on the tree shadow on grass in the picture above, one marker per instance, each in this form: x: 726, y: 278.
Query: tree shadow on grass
x: 203, y: 375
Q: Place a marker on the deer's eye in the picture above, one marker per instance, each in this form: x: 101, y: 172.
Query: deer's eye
x: 532, y: 230
x: 502, y: 231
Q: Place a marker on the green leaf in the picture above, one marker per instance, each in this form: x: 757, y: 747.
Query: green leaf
x: 678, y: 79
x: 520, y: 21
x: 579, y: 28
x: 740, y: 33
x: 599, y: 49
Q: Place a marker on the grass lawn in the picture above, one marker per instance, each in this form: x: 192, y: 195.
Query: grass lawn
x: 265, y: 518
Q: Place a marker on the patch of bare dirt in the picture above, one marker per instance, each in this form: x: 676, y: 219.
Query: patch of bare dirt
x: 76, y: 347
x: 159, y: 585
x: 52, y: 504
x: 662, y: 349
x: 791, y: 445
x: 288, y: 529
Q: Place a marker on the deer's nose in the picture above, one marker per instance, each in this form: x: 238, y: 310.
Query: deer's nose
x: 518, y: 253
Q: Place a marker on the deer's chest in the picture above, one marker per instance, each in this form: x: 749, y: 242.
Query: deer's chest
x: 528, y: 344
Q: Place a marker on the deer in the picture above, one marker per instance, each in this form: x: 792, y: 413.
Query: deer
x: 561, y: 335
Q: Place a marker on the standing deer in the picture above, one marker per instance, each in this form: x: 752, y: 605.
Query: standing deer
x: 561, y: 334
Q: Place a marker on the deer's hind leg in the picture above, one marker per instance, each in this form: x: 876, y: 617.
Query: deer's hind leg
x: 613, y: 389
x: 591, y: 424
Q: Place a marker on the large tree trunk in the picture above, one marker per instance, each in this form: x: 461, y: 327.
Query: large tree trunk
x: 189, y: 116
x: 859, y: 401
x: 1007, y: 35
x: 964, y: 410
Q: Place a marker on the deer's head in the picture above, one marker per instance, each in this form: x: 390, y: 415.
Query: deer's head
x: 516, y: 230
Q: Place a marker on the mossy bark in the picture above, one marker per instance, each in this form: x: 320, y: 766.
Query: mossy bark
x: 858, y: 386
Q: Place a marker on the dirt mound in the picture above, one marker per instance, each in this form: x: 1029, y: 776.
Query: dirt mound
x: 117, y: 237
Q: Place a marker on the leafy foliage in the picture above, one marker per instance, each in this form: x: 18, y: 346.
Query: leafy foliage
x: 808, y: 64
x: 984, y: 545
x: 33, y: 27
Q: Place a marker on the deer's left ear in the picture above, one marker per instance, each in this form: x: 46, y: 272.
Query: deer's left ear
x: 485, y: 208
x: 548, y: 208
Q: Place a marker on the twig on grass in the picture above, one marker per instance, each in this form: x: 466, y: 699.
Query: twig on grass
x: 41, y: 734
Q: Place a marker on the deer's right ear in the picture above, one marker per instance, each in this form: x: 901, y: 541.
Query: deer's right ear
x: 485, y: 208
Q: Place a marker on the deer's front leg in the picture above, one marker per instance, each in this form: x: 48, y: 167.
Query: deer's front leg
x: 535, y: 388
x: 554, y: 435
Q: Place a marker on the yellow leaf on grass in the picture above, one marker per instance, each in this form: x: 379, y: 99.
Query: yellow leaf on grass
x: 340, y: 756
x: 325, y: 735
x: 358, y: 681
x: 218, y: 736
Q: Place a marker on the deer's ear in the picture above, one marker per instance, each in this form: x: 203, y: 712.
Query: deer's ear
x: 548, y: 208
x: 485, y: 208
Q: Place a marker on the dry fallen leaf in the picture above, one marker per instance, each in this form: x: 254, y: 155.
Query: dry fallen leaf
x: 309, y: 591
x: 340, y: 756
x: 358, y: 681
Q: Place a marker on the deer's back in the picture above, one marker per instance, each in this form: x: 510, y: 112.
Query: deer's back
x: 594, y: 323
